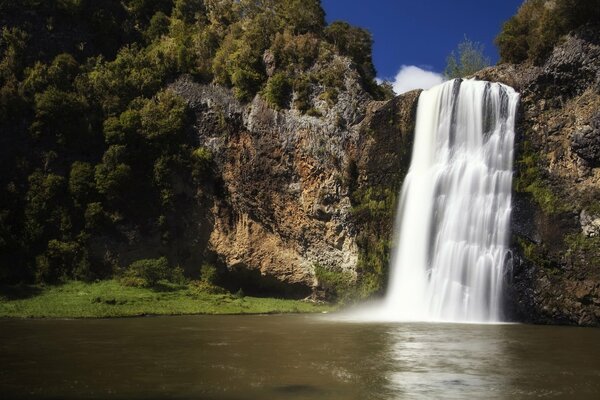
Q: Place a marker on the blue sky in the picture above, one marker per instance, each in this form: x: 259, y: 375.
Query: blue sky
x: 421, y: 33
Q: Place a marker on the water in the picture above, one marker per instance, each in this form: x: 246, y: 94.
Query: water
x: 293, y: 357
x: 454, y: 212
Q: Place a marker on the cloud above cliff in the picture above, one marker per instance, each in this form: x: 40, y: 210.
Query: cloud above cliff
x: 412, y: 77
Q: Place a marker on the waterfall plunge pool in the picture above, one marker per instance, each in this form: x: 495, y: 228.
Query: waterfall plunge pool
x: 293, y: 357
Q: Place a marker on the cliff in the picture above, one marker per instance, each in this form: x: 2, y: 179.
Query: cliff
x: 556, y: 214
x: 296, y: 195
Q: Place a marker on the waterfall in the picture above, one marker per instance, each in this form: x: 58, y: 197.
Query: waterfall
x: 453, y: 216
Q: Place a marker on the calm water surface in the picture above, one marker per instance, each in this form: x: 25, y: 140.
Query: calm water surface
x: 293, y: 357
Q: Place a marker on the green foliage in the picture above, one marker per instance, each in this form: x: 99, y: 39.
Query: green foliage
x: 537, y: 254
x: 302, y: 90
x: 295, y: 52
x: 201, y: 160
x: 13, y: 43
x: 95, y: 217
x: 374, y: 202
x: 113, y: 177
x: 530, y: 179
x: 373, y: 210
x: 81, y: 181
x: 583, y: 249
x: 239, y: 64
x: 470, y: 59
x: 45, y: 212
x: 159, y: 26
x: 112, y: 299
x: 52, y: 108
x: 163, y: 117
x: 151, y: 271
x: 189, y: 11
x: 339, y: 285
x: 355, y: 43
x: 62, y: 260
x: 209, y: 274
x: 278, y: 91
x: 538, y: 26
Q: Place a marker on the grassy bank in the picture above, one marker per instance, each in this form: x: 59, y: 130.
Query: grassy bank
x: 112, y: 299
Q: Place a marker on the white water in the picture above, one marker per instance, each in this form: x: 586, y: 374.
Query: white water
x: 454, y: 210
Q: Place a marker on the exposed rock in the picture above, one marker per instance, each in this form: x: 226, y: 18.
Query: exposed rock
x: 283, y: 204
x: 556, y: 259
x: 586, y: 142
x: 590, y: 224
x: 269, y: 62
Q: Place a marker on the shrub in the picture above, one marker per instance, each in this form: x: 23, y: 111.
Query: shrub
x: 62, y: 260
x: 302, y: 92
x: 339, y: 285
x: 159, y: 26
x: 151, y: 270
x: 209, y: 273
x: 81, y: 181
x: 278, y: 91
x: 202, y: 287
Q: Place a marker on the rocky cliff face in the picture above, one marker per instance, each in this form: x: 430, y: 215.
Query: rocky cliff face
x: 284, y: 201
x: 556, y: 277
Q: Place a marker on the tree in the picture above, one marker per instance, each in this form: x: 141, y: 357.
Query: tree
x: 469, y: 60
x: 355, y: 43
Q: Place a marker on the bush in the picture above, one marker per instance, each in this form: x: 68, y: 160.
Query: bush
x: 62, y: 260
x: 209, y: 273
x: 278, y: 91
x: 81, y: 181
x: 151, y: 271
x: 202, y: 287
x: 95, y: 217
x: 159, y: 26
x: 339, y: 285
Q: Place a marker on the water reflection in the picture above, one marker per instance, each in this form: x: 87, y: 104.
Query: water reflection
x: 457, y: 361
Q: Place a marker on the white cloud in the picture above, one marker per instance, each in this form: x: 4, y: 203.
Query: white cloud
x: 412, y: 77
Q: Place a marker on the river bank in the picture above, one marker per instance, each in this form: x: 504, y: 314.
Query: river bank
x: 106, y: 299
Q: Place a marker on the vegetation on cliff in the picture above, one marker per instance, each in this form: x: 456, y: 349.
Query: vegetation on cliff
x: 96, y: 152
x: 538, y: 26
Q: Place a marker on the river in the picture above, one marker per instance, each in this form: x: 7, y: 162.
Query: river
x: 293, y: 357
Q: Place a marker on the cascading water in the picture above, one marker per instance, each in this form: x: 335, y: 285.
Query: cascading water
x: 454, y: 212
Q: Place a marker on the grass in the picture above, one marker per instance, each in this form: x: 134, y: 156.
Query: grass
x: 111, y: 299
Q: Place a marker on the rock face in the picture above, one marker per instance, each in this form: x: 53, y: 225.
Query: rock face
x: 556, y: 215
x: 283, y: 197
